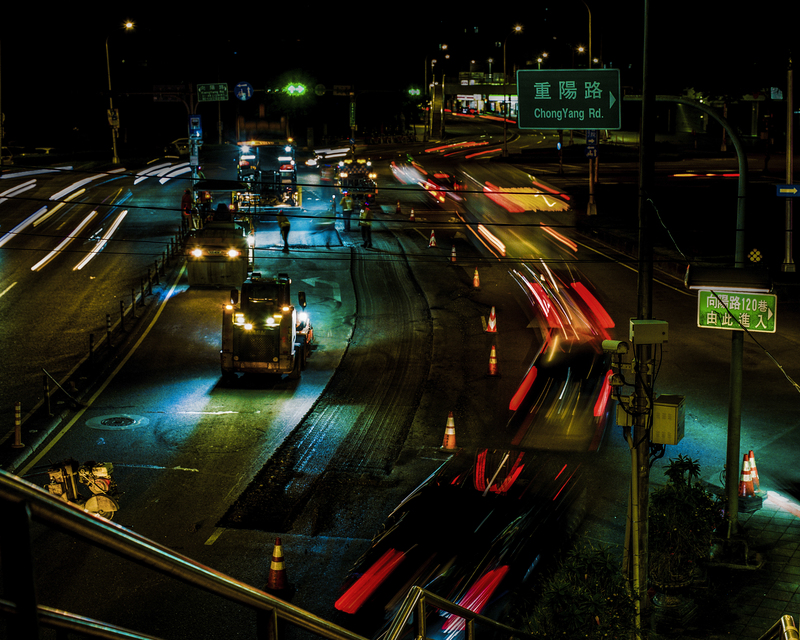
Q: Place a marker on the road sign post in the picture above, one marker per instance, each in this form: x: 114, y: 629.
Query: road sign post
x: 735, y: 311
x: 569, y: 99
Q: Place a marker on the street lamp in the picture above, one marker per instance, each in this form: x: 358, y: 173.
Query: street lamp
x: 517, y: 29
x: 113, y: 118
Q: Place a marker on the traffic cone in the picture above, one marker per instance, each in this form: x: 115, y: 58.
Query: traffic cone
x: 476, y: 281
x: 432, y: 241
x: 449, y: 443
x: 453, y: 254
x: 493, y: 362
x: 492, y: 326
x: 411, y: 217
x: 754, y: 472
x: 746, y: 483
x: 397, y: 211
x: 276, y: 582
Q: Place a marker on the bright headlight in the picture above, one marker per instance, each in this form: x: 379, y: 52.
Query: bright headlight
x: 248, y: 326
x: 233, y: 253
x: 302, y: 317
x: 197, y: 253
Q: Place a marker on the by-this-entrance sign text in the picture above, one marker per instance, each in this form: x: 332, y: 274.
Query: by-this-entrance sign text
x: 568, y: 99
x: 730, y: 310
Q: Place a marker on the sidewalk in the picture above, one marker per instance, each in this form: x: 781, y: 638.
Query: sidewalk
x: 747, y: 593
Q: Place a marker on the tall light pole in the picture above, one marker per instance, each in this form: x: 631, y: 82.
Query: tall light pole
x: 112, y: 116
x: 517, y: 29
x: 590, y: 31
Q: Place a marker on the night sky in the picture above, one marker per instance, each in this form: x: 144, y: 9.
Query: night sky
x: 53, y: 64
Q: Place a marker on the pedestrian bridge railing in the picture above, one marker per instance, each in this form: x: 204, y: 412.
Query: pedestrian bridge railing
x: 22, y: 503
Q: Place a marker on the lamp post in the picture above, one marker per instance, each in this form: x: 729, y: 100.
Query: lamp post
x: 112, y: 117
x: 517, y: 29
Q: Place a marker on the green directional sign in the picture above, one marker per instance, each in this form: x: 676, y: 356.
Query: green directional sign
x: 212, y: 92
x: 569, y: 99
x: 736, y: 311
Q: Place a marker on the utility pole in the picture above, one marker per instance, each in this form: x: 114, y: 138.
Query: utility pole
x: 642, y: 403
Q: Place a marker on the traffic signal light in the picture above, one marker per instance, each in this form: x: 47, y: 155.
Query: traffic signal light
x: 295, y: 89
x: 413, y: 91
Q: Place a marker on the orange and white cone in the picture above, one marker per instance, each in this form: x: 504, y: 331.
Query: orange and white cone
x: 432, y: 241
x: 492, y: 326
x: 453, y: 254
x: 276, y: 581
x: 449, y: 442
x: 754, y: 472
x: 411, y: 217
x: 746, y: 483
x: 476, y: 281
x: 493, y: 362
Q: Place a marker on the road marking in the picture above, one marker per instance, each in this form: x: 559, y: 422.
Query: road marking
x: 213, y: 537
x: 107, y: 381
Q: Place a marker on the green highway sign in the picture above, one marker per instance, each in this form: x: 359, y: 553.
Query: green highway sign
x: 736, y: 311
x: 569, y: 99
x: 213, y: 92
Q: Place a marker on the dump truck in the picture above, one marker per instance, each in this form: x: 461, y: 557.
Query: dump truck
x: 262, y: 332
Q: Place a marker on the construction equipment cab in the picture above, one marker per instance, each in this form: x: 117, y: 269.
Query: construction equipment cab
x: 262, y: 332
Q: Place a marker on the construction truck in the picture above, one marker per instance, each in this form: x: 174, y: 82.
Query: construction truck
x: 262, y: 332
x: 356, y: 176
x: 221, y: 251
x: 271, y: 170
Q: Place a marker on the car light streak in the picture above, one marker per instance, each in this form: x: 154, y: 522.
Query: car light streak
x: 560, y: 237
x: 371, y: 579
x: 77, y: 185
x: 602, y: 398
x: 64, y: 242
x: 49, y: 213
x: 476, y: 598
x: 144, y: 175
x: 20, y: 188
x: 494, y: 240
x: 482, y: 153
x: 178, y: 170
x: 33, y: 172
x: 103, y: 241
x: 597, y: 309
x: 526, y: 385
x: 28, y: 221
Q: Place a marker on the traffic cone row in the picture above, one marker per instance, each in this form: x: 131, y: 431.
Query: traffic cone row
x: 449, y: 442
x: 492, y: 326
x: 746, y: 483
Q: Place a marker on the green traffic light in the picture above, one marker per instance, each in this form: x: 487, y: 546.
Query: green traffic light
x: 295, y: 89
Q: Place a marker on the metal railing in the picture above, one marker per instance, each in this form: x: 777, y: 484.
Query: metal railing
x: 22, y: 503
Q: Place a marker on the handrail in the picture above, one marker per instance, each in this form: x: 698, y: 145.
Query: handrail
x: 36, y: 504
x: 21, y: 502
x: 783, y: 629
x: 417, y: 598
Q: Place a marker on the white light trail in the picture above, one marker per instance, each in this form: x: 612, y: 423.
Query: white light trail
x: 20, y: 188
x: 63, y: 243
x: 41, y: 219
x: 77, y: 185
x: 179, y: 170
x: 103, y: 241
x: 28, y: 221
x: 144, y: 175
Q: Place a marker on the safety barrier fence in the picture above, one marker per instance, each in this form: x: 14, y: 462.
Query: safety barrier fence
x: 100, y: 348
x: 22, y: 503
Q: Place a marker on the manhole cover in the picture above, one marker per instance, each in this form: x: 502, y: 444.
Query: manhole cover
x: 117, y: 422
